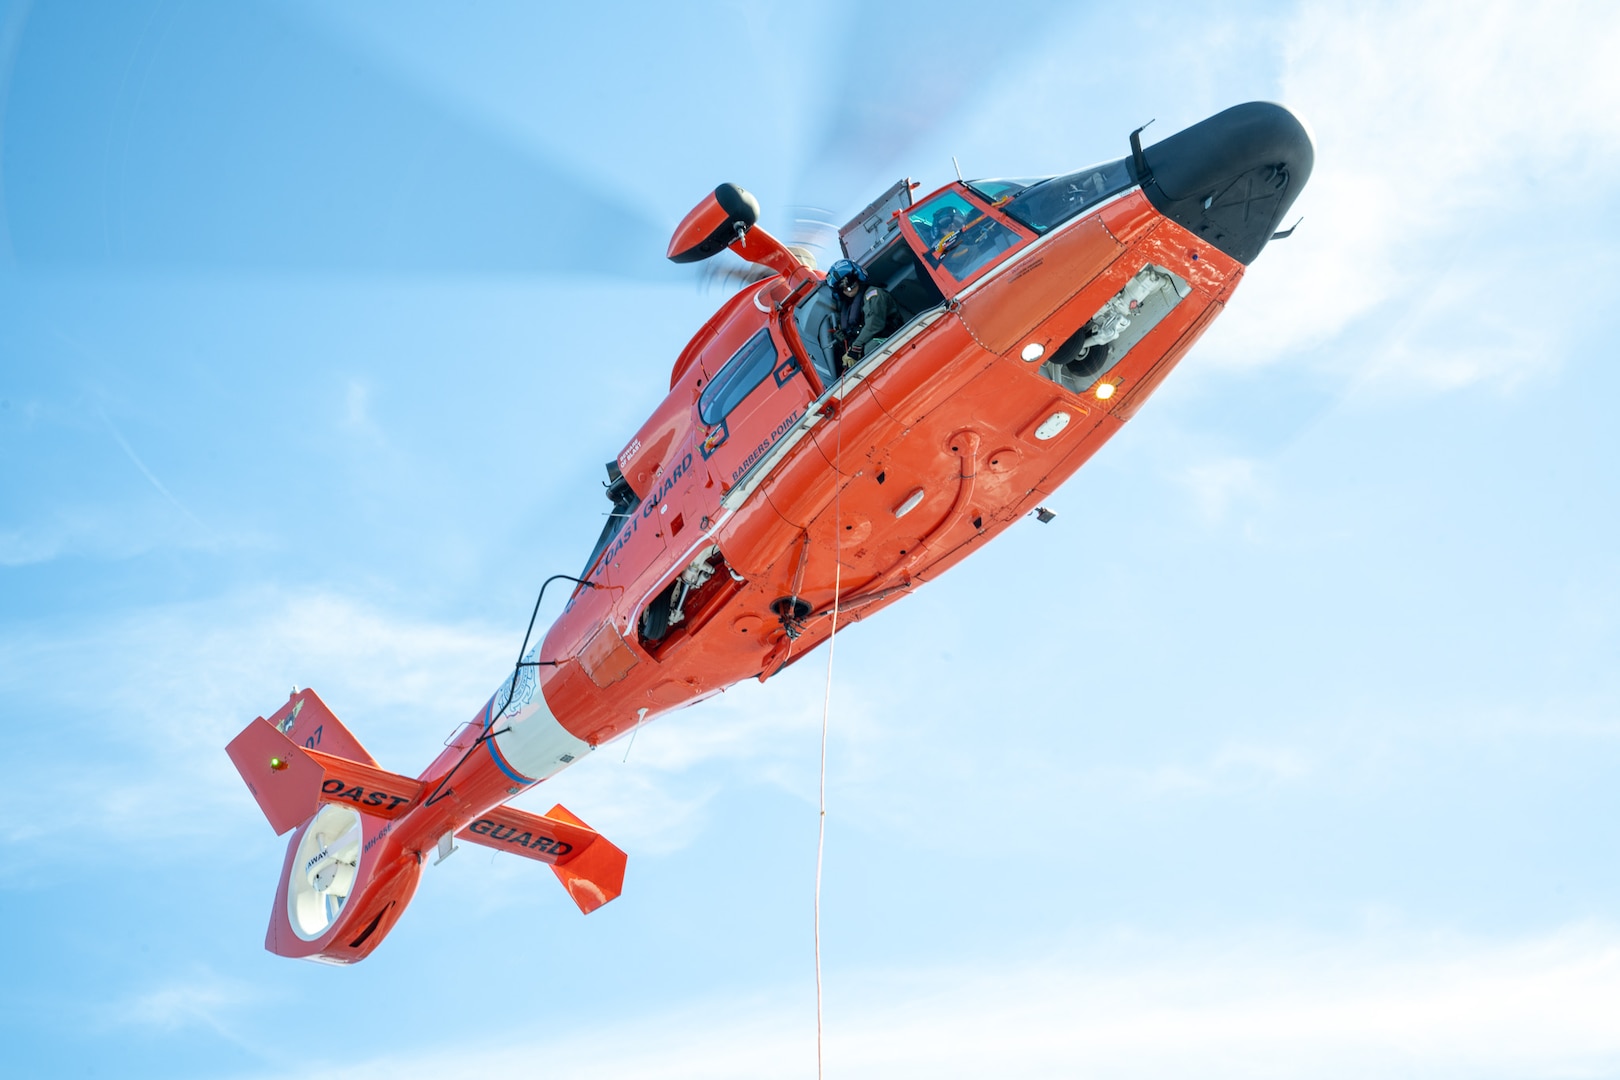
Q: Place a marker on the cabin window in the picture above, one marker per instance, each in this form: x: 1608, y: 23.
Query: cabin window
x: 958, y: 235
x: 1108, y: 336
x: 1045, y: 204
x: 744, y: 371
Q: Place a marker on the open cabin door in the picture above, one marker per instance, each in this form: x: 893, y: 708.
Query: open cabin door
x: 877, y: 224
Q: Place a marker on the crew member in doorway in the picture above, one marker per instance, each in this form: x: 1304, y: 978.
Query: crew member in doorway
x: 866, y: 314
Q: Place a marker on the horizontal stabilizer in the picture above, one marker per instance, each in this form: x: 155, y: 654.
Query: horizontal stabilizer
x: 289, y: 781
x: 590, y: 867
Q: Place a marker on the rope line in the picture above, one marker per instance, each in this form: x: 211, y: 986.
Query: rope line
x: 826, y: 709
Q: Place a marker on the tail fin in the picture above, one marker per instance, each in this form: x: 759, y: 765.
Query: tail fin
x: 588, y: 865
x: 289, y: 781
x: 307, y: 721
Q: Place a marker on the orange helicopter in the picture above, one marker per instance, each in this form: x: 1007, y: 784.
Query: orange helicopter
x: 785, y: 487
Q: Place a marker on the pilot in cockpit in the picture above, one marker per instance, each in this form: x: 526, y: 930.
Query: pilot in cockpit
x: 961, y: 244
x: 958, y: 235
x: 948, y: 226
x: 865, y: 314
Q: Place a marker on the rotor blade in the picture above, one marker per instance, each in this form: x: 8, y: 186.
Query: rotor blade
x: 231, y: 137
x: 343, y: 878
x: 813, y: 229
x: 729, y: 276
x: 346, y: 845
x: 884, y: 105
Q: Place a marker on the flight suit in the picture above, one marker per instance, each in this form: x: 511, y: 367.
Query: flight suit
x: 879, y: 317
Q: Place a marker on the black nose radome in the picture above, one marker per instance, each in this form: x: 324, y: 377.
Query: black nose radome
x: 1230, y: 179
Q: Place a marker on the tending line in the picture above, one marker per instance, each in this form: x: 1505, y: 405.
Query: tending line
x: 826, y: 708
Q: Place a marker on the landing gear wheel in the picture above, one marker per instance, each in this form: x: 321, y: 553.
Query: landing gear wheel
x: 1076, y: 359
x: 655, y: 618
x: 1089, y: 363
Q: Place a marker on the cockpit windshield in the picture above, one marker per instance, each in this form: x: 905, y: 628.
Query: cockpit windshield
x: 1045, y: 204
x: 999, y: 191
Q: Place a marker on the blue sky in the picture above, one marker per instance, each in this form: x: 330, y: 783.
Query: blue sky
x: 1288, y: 749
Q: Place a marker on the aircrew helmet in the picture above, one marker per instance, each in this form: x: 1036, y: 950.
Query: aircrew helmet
x: 841, y: 271
x: 948, y: 219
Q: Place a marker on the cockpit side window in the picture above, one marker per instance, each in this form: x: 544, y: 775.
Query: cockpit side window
x: 959, y: 235
x: 1046, y: 204
x: 624, y: 503
x: 737, y: 379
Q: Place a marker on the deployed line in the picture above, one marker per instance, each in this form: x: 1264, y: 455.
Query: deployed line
x: 826, y: 708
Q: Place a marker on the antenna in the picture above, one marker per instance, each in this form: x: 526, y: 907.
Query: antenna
x: 1286, y: 233
x: 957, y: 167
x: 1143, y: 174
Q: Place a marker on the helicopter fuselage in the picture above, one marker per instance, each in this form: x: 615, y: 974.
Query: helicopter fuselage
x: 775, y: 494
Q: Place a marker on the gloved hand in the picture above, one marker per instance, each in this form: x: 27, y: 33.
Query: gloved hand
x: 857, y: 351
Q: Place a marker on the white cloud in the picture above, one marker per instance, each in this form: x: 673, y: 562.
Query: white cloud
x: 637, y: 809
x: 1453, y: 141
x: 1445, y: 338
x: 158, y: 693
x: 651, y: 794
x: 1389, y: 1003
x: 203, y: 1000
x: 111, y: 532
x: 18, y: 548
x: 170, y: 686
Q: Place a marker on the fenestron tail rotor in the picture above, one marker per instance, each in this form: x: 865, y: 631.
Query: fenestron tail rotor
x: 324, y: 871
